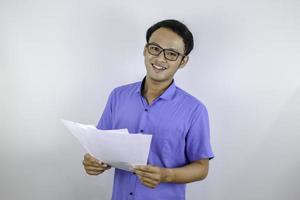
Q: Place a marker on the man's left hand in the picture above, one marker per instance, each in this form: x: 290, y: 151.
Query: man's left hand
x: 150, y: 175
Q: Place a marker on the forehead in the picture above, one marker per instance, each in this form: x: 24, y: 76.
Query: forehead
x: 167, y: 39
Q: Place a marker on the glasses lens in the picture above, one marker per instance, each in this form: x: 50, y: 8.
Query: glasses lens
x: 171, y: 55
x: 154, y: 49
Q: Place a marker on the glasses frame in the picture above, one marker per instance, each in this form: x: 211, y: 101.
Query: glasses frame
x: 163, y: 50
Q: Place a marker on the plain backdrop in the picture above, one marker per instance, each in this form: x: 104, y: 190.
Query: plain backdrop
x: 61, y: 58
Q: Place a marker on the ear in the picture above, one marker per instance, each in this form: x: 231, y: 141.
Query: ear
x: 184, y: 62
x: 145, y: 49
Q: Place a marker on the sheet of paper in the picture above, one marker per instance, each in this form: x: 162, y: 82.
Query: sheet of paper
x: 117, y: 148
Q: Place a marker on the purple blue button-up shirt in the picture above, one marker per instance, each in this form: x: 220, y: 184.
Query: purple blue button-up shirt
x: 179, y: 126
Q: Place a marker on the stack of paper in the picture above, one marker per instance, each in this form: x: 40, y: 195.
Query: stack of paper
x: 118, y: 148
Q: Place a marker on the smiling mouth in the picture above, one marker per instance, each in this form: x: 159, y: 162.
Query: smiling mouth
x: 158, y: 67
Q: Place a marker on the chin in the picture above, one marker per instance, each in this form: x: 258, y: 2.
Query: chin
x: 158, y: 79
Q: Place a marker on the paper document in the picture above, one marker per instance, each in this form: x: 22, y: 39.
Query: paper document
x: 118, y: 148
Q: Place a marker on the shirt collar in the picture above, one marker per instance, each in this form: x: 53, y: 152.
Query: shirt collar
x: 168, y: 93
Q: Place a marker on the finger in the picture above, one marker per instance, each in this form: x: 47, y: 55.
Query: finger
x: 148, y: 180
x: 87, y: 156
x: 149, y: 184
x: 95, y: 164
x: 104, y: 165
x: 108, y: 167
x: 147, y: 168
x: 90, y: 158
x: 94, y: 173
x: 95, y: 169
x: 144, y: 174
x: 88, y: 163
x: 100, y: 167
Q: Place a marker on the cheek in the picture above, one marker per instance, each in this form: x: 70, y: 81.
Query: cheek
x: 174, y: 65
x: 149, y: 59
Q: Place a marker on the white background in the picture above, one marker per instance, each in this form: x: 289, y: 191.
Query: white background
x: 61, y: 59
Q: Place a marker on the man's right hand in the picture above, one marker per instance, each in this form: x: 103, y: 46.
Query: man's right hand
x: 92, y: 166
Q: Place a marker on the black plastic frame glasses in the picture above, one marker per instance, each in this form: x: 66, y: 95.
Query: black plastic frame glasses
x: 169, y: 54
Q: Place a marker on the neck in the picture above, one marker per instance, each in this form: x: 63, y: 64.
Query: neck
x: 153, y: 89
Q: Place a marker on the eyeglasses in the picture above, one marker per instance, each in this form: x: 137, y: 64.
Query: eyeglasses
x: 155, y: 50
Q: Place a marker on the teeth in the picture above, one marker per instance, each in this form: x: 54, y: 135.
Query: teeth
x: 159, y: 67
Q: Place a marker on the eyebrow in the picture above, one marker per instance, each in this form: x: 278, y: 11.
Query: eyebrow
x: 166, y: 48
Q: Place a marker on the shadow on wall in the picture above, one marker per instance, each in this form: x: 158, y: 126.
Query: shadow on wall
x: 281, y: 155
x: 273, y: 170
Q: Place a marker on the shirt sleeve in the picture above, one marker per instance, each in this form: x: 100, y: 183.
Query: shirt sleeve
x: 198, y: 137
x: 105, y: 122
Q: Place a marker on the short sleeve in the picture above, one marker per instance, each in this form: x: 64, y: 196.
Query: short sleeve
x: 198, y: 137
x: 105, y: 122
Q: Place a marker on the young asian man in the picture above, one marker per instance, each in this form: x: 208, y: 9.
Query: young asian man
x: 178, y: 122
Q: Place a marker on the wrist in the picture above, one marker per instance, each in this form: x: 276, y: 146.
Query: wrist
x: 167, y: 175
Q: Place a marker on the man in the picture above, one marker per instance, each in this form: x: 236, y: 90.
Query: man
x: 180, y: 149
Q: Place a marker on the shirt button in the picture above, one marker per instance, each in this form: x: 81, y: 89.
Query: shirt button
x: 142, y: 130
x: 133, y: 173
x: 146, y: 110
x: 131, y: 193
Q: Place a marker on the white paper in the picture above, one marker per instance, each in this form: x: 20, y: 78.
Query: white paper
x: 118, y: 148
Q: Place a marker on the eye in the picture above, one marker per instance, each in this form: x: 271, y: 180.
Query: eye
x: 154, y: 48
x: 171, y: 54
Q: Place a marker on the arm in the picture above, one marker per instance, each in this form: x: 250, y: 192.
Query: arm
x: 151, y: 176
x: 194, y: 171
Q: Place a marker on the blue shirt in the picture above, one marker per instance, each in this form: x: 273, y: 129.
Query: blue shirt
x: 179, y: 126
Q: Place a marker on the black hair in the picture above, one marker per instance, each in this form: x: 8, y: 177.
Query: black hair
x: 176, y: 27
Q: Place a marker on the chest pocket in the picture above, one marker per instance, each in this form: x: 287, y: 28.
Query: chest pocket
x: 167, y: 146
